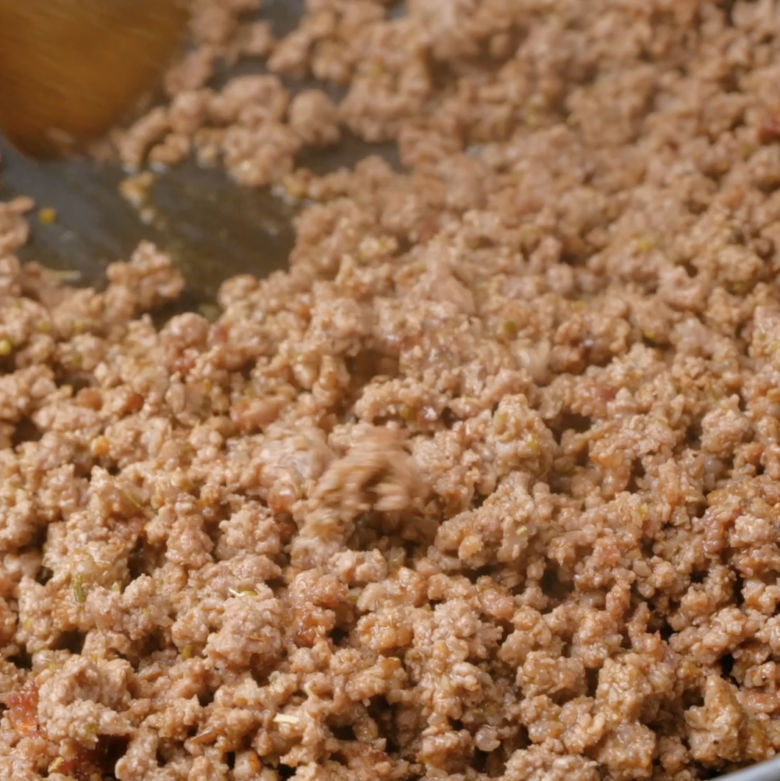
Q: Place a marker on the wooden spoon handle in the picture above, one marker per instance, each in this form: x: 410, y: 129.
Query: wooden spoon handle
x: 70, y: 69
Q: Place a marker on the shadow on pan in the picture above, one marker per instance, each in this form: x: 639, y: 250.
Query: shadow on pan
x: 213, y: 228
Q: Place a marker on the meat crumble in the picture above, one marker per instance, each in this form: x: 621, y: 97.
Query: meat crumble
x: 486, y: 485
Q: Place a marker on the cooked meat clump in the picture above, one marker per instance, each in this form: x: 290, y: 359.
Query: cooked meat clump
x: 486, y: 485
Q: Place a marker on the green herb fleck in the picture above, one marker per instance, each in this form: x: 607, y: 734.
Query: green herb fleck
x: 645, y: 244
x: 79, y: 593
x: 210, y: 311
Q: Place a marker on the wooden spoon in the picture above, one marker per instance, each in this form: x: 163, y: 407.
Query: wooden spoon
x: 213, y: 228
x: 71, y: 69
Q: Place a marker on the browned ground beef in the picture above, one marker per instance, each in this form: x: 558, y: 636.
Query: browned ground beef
x: 487, y: 485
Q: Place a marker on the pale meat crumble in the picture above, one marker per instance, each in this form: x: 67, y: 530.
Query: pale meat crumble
x: 486, y: 486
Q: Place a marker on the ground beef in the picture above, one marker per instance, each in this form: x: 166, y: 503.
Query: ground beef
x: 486, y: 485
